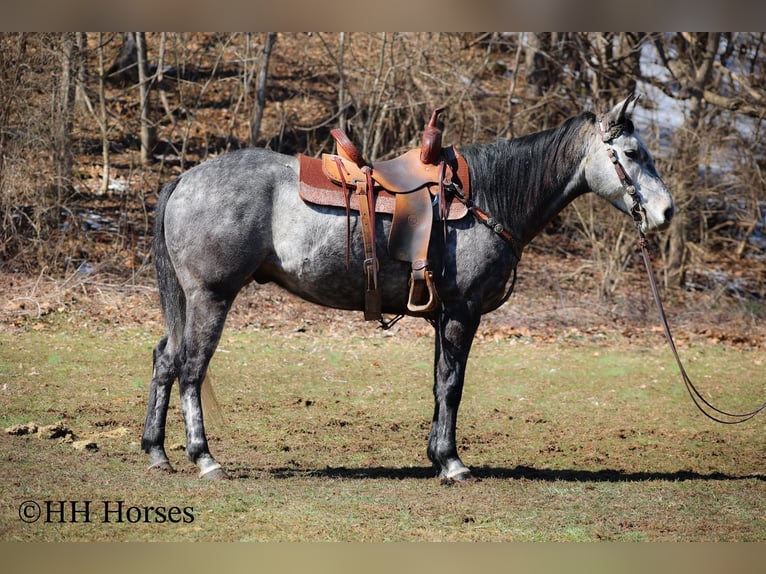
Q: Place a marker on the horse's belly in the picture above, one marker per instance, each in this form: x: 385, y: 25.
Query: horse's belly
x: 325, y: 280
x: 318, y: 255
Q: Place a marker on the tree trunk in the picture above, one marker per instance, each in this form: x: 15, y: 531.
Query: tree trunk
x: 104, y: 118
x: 694, y: 71
x: 148, y: 135
x: 62, y: 125
x: 536, y: 66
x: 124, y: 69
x: 260, y: 95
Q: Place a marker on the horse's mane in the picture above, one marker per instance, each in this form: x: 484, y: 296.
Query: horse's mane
x: 509, y: 177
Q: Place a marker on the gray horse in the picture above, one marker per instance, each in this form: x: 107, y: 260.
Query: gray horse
x: 238, y: 218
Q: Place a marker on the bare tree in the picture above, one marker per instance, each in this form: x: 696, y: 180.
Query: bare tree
x: 148, y: 132
x: 260, y: 94
x: 62, y: 126
x: 103, y: 118
x: 536, y: 55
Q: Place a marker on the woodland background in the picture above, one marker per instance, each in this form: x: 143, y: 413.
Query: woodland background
x: 93, y: 124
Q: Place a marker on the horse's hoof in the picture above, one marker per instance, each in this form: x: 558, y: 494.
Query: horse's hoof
x: 161, y: 467
x: 214, y: 473
x: 458, y: 478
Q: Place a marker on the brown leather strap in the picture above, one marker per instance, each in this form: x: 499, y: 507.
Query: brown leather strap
x: 486, y: 220
x: 492, y: 224
x: 366, y: 193
x: 442, y: 199
x: 346, y: 200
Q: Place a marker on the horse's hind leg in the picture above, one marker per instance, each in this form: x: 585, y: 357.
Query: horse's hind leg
x: 163, y: 375
x: 205, y: 316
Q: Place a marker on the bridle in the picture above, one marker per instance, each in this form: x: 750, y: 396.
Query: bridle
x: 638, y: 213
x: 608, y: 136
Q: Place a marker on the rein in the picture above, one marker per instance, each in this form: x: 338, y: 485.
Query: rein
x: 638, y: 214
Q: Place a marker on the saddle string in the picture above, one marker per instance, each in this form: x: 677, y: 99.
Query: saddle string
x: 638, y: 214
x: 442, y: 199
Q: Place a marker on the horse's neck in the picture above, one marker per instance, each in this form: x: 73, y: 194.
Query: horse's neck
x: 548, y: 202
x: 536, y: 194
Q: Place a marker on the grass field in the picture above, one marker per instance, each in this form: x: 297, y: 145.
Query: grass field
x: 580, y: 438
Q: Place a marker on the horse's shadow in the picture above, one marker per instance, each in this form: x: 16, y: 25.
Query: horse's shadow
x: 487, y: 472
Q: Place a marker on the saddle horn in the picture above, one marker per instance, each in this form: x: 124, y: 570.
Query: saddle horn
x: 431, y: 145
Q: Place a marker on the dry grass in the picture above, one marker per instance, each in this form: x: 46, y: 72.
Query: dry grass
x: 580, y: 437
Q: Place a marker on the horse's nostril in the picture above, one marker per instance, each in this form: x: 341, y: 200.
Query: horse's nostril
x: 668, y: 213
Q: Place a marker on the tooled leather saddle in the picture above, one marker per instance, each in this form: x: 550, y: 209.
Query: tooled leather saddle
x: 411, y: 188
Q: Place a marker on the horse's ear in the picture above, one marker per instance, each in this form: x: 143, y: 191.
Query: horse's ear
x: 620, y: 114
x: 629, y: 105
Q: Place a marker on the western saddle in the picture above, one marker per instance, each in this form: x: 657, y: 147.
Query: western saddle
x: 410, y: 187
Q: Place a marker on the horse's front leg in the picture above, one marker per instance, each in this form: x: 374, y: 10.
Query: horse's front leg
x: 455, y: 328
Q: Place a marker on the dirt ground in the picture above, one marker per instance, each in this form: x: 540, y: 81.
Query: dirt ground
x: 555, y: 296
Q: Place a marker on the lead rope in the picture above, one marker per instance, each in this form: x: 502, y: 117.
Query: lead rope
x: 637, y: 211
x: 695, y: 395
x: 638, y: 214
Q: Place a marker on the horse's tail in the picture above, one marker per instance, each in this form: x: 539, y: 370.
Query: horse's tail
x: 172, y: 298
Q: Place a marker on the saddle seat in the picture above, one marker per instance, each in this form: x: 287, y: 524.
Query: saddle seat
x: 410, y: 187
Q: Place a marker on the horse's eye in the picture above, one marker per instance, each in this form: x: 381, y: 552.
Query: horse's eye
x: 632, y: 154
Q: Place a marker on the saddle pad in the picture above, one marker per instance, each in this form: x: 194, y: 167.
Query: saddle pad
x: 315, y: 188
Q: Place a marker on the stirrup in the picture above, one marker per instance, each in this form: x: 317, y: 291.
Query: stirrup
x: 423, y: 297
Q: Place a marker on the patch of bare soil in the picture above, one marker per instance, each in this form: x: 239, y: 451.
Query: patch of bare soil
x: 555, y: 298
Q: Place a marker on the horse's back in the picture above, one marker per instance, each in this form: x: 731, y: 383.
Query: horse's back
x: 241, y: 175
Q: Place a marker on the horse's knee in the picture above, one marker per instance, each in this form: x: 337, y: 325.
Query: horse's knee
x: 164, y: 368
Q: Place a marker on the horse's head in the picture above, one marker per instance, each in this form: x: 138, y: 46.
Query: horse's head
x: 628, y: 172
